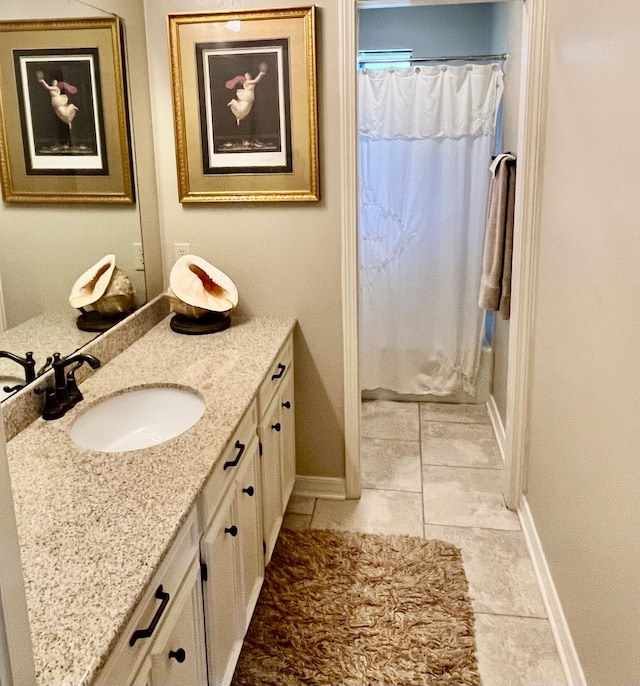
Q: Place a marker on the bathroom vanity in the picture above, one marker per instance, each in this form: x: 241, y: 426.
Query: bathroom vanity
x: 144, y: 567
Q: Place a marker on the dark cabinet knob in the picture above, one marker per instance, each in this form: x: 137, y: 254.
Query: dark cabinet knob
x: 233, y: 530
x: 178, y: 655
x: 286, y: 404
x: 249, y: 490
x: 276, y: 427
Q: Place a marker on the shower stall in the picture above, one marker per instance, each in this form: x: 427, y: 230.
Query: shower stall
x: 427, y: 133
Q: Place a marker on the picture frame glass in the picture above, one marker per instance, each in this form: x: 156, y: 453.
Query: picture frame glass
x: 244, y: 106
x: 61, y: 114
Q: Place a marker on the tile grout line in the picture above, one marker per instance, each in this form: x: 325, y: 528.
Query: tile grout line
x: 421, y: 469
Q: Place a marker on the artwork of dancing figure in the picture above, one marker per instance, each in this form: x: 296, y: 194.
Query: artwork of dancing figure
x: 65, y: 110
x: 243, y: 102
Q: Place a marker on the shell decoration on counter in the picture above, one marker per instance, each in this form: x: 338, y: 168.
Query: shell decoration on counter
x: 107, y: 290
x: 105, y: 287
x: 202, y: 297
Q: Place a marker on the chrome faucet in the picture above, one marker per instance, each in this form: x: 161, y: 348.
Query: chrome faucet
x: 29, y: 365
x: 65, y: 394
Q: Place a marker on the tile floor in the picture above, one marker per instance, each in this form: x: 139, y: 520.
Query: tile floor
x: 434, y: 470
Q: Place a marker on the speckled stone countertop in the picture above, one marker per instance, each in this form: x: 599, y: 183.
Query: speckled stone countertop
x: 93, y: 527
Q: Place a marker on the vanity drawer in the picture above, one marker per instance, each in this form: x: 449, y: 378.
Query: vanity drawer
x: 273, y: 379
x: 226, y: 467
x: 151, y: 612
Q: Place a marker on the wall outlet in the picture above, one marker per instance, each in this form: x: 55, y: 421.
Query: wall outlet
x: 138, y: 256
x: 180, y: 249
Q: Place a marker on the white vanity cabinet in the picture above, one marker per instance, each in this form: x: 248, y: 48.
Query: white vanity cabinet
x: 177, y: 657
x: 214, y: 570
x: 168, y: 618
x: 277, y: 443
x: 231, y: 550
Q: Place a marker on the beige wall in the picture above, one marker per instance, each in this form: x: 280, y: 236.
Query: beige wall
x: 284, y: 258
x: 583, y: 464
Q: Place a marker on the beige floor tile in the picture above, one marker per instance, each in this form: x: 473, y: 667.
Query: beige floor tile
x: 377, y: 512
x: 461, y: 445
x: 388, y: 419
x: 449, y: 412
x: 456, y: 496
x: 301, y: 504
x: 391, y: 465
x: 297, y: 522
x: 517, y: 651
x: 498, y: 567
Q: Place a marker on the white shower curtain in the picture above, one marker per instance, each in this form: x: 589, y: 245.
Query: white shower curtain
x: 426, y: 139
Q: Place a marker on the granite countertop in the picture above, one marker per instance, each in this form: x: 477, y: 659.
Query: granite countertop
x: 93, y: 527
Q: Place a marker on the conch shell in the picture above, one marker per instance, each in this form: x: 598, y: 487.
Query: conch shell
x: 105, y: 287
x: 197, y: 288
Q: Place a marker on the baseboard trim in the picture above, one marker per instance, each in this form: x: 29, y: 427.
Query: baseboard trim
x: 559, y: 627
x: 328, y: 487
x: 498, y: 426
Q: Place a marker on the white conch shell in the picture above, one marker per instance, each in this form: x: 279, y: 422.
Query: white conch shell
x: 105, y: 287
x: 197, y: 287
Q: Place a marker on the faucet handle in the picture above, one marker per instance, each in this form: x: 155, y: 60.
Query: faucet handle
x: 75, y: 395
x: 46, y: 366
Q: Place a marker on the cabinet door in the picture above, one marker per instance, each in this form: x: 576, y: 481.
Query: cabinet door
x: 178, y: 656
x: 287, y: 438
x: 270, y: 430
x: 224, y: 618
x: 249, y: 509
x: 143, y: 677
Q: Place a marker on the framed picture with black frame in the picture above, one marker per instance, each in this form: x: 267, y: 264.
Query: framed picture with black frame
x: 65, y: 130
x: 244, y: 93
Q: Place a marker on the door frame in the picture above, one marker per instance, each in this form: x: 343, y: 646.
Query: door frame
x: 525, y: 249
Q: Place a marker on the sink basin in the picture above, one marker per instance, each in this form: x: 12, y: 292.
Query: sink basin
x: 137, y: 419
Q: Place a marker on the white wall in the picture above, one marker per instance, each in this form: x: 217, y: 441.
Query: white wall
x: 284, y: 258
x: 584, y: 466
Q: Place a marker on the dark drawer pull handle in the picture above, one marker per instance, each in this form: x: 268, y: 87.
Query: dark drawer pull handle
x: 280, y: 372
x: 249, y: 490
x: 178, y: 655
x: 276, y: 426
x: 146, y: 633
x: 233, y: 530
x: 240, y: 448
x: 286, y: 404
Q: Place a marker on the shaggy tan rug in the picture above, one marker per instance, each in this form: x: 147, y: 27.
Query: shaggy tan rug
x: 358, y: 610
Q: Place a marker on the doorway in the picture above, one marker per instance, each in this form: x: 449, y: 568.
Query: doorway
x: 527, y: 124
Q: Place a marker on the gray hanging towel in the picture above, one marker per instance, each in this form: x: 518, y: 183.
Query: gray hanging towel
x: 495, y: 284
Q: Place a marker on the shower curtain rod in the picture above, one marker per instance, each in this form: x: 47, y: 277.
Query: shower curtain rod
x: 459, y: 58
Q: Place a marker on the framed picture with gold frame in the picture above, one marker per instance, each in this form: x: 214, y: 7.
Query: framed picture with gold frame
x: 64, y: 130
x: 244, y: 97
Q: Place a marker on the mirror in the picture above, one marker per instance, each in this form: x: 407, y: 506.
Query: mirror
x: 46, y: 247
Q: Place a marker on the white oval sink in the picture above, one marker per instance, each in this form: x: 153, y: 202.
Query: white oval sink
x: 137, y: 419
